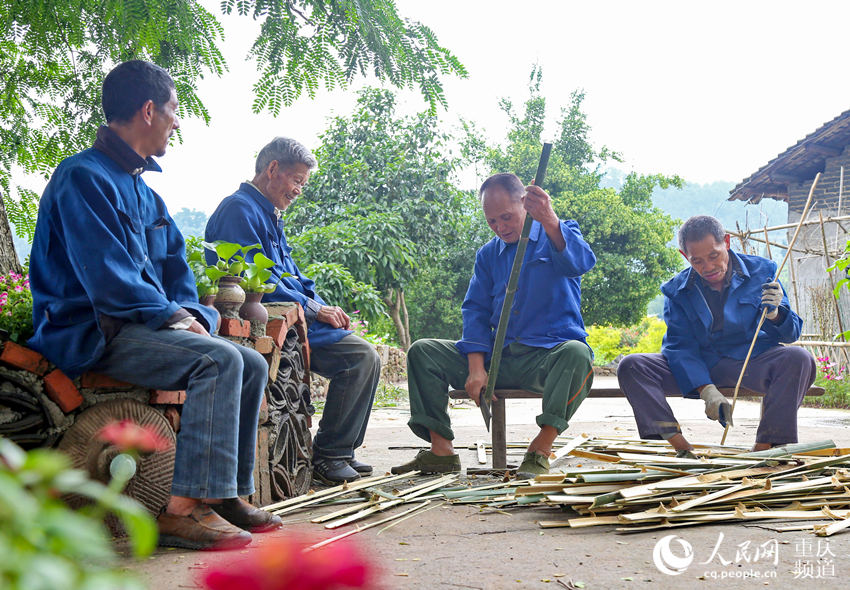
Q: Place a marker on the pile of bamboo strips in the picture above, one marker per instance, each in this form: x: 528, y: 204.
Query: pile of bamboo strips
x: 634, y: 485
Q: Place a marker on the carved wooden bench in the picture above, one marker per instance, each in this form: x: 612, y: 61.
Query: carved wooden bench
x: 497, y: 423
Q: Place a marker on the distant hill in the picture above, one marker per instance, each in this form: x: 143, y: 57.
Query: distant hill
x: 711, y: 199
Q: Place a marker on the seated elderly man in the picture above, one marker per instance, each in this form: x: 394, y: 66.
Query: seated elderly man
x: 712, y: 310
x: 112, y: 292
x: 251, y: 215
x: 545, y: 348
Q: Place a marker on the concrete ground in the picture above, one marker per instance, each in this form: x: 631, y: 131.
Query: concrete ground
x: 474, y: 547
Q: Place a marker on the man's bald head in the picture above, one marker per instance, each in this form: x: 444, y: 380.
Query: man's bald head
x: 509, y: 183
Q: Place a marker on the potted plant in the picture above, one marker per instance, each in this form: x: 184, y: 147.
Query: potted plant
x: 206, y: 286
x: 241, y: 284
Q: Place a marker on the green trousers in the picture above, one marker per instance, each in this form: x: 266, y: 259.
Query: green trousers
x: 563, y: 375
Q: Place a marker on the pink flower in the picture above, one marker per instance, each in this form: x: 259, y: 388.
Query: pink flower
x: 282, y: 564
x: 129, y: 436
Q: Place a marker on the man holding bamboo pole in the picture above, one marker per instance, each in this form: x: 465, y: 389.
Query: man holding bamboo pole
x: 545, y: 349
x: 712, y: 310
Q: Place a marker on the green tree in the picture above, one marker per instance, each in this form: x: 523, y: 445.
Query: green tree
x: 627, y: 233
x: 383, y: 191
x: 54, y: 56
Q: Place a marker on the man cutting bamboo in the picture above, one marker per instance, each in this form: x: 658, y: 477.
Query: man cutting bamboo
x: 545, y: 349
x: 712, y: 310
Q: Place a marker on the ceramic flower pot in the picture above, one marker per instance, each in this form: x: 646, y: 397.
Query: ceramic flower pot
x: 252, y: 310
x: 208, y: 300
x: 230, y: 297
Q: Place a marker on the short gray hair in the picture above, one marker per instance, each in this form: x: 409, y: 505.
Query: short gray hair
x: 699, y: 226
x: 286, y: 152
x: 509, y: 182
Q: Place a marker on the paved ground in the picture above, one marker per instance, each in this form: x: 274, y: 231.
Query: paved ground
x: 467, y: 547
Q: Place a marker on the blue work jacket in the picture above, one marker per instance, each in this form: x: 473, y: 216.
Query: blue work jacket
x: 104, y: 245
x: 547, y: 307
x: 689, y: 346
x: 247, y: 217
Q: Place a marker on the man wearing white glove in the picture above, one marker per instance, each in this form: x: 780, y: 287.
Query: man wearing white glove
x: 712, y: 310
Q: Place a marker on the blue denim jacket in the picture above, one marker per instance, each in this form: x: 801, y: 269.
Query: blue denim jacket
x: 104, y: 245
x: 689, y: 346
x: 547, y: 307
x: 246, y: 217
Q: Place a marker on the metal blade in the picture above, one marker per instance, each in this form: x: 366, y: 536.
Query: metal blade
x: 485, y: 411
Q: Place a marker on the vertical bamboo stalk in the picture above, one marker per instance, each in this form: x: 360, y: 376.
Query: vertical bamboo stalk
x: 764, y: 311
x: 767, y: 243
x: 831, y: 283
x: 513, y: 279
x: 794, y: 283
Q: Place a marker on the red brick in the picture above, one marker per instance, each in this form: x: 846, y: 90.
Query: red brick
x: 264, y: 411
x: 235, y: 327
x: 164, y: 396
x: 276, y: 329
x: 92, y: 380
x: 62, y: 391
x: 264, y: 344
x: 24, y: 358
x: 172, y: 414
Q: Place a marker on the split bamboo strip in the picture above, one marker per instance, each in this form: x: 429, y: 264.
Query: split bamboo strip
x: 381, y: 506
x: 764, y: 311
x: 366, y: 526
x: 311, y: 499
x: 831, y: 529
x: 327, y: 492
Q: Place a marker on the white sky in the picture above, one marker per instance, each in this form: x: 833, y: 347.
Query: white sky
x: 707, y: 90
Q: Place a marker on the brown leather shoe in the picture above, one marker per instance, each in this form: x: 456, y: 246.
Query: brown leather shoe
x: 201, y: 529
x: 239, y: 512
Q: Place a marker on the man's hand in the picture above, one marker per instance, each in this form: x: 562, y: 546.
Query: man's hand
x: 771, y: 298
x: 197, y: 328
x: 334, y: 316
x: 717, y: 407
x: 476, y: 383
x: 538, y: 204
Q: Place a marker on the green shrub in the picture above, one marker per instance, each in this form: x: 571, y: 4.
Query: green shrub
x: 609, y: 342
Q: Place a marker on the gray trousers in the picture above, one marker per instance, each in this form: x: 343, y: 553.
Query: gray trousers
x: 784, y: 374
x: 354, y: 368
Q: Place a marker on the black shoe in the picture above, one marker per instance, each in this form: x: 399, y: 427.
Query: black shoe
x: 360, y: 467
x: 333, y: 471
x: 242, y: 514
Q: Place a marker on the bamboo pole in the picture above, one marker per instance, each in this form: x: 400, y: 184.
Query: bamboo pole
x: 793, y: 225
x: 831, y: 281
x: 510, y: 292
x: 764, y: 311
x: 767, y: 243
x: 794, y: 282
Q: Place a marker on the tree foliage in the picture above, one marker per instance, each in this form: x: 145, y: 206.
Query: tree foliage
x: 347, y: 38
x: 54, y: 56
x: 626, y: 232
x: 382, y: 202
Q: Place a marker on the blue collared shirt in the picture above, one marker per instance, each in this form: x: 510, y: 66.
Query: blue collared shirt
x: 247, y: 217
x: 691, y: 348
x: 547, y: 307
x: 104, y: 245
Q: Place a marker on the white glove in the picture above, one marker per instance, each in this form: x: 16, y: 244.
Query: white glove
x: 717, y: 407
x: 771, y: 298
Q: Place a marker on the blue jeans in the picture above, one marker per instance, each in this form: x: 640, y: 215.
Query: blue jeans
x: 224, y: 384
x: 354, y: 368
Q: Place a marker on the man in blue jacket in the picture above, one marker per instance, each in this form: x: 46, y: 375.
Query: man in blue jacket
x: 112, y: 292
x: 252, y: 215
x: 712, y: 310
x: 545, y: 348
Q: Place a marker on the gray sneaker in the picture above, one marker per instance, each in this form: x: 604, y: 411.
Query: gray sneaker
x: 428, y: 462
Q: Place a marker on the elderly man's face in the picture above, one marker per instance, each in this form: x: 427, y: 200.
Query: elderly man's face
x: 504, y: 215
x: 710, y: 259
x: 285, y: 183
x: 164, y: 122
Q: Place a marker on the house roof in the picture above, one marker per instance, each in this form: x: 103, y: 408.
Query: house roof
x: 798, y: 163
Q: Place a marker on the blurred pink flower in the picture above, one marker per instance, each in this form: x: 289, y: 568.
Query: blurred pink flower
x: 129, y: 436
x: 282, y: 564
